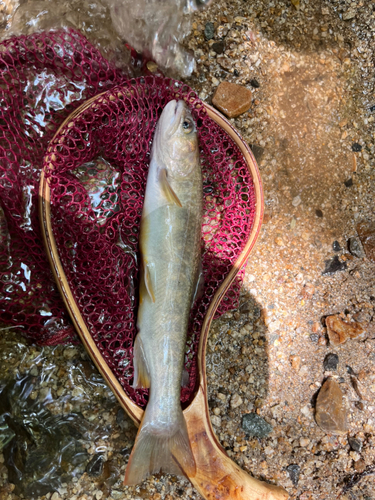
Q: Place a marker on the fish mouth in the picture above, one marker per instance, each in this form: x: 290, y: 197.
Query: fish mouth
x: 177, y: 110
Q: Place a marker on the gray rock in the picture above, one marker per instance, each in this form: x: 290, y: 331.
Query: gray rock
x: 355, y: 444
x: 255, y: 426
x: 355, y: 247
x: 209, y: 31
x: 294, y: 470
x: 330, y: 362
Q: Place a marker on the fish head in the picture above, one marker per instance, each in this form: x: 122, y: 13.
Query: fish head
x: 176, y: 140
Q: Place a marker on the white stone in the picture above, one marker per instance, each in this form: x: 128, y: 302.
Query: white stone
x: 236, y: 401
x: 216, y: 420
x: 296, y: 201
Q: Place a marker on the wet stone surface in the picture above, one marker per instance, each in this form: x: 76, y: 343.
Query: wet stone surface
x: 330, y: 413
x: 331, y: 362
x: 232, y: 99
x: 255, y: 426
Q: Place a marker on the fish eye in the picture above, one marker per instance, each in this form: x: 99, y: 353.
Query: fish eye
x: 187, y: 125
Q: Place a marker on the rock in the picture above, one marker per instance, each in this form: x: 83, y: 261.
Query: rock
x: 232, y: 99
x: 236, y: 401
x: 218, y: 47
x: 55, y: 496
x: 296, y: 4
x: 356, y: 147
x: 336, y: 246
x: 360, y: 466
x: 304, y: 442
x: 349, y: 183
x: 355, y: 247
x: 296, y: 201
x: 366, y: 233
x: 339, y: 330
x: 95, y: 467
x: 318, y: 213
x: 359, y: 405
x: 216, y: 420
x: 314, y: 337
x: 350, y: 14
x: 355, y: 444
x: 295, y: 361
x: 254, y: 83
x: 257, y: 151
x: 209, y: 31
x: 330, y: 413
x: 330, y: 362
x: 294, y: 470
x: 255, y: 426
x: 334, y: 265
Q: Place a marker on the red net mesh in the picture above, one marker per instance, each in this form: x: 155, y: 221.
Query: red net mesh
x: 99, y: 168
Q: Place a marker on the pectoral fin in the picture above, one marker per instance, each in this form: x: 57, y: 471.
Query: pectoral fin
x: 141, y: 372
x: 167, y: 188
x: 148, y: 282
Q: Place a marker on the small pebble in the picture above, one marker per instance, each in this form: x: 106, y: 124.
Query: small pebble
x: 294, y: 470
x: 254, y: 425
x: 304, y: 442
x: 296, y: 201
x: 95, y: 467
x: 209, y: 31
x: 366, y: 233
x: 236, y: 401
x: 232, y: 99
x: 295, y: 361
x: 318, y: 213
x: 254, y: 83
x: 218, y: 47
x: 257, y: 151
x: 334, y: 265
x: 336, y: 246
x: 216, y: 420
x: 55, y: 496
x: 356, y: 147
x: 355, y: 247
x: 339, y: 331
x: 355, y: 444
x: 349, y: 183
x: 331, y: 362
x: 330, y: 413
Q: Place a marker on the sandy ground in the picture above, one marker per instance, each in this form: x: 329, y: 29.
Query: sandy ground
x: 312, y: 123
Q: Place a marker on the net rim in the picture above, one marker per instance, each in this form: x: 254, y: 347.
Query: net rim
x: 133, y: 410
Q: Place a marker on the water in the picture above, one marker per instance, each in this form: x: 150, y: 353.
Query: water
x: 56, y: 415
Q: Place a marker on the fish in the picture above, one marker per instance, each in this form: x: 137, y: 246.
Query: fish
x: 170, y: 249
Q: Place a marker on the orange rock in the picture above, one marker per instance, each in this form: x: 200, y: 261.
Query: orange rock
x: 339, y: 330
x: 330, y: 413
x: 366, y: 233
x: 232, y: 99
x: 295, y: 361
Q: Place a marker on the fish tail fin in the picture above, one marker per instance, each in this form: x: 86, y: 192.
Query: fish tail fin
x: 155, y: 450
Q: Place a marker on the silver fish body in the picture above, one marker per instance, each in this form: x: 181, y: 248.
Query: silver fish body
x: 170, y: 251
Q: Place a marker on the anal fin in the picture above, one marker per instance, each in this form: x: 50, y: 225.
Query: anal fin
x: 141, y: 372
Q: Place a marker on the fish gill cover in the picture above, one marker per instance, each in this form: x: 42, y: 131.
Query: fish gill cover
x: 97, y: 188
